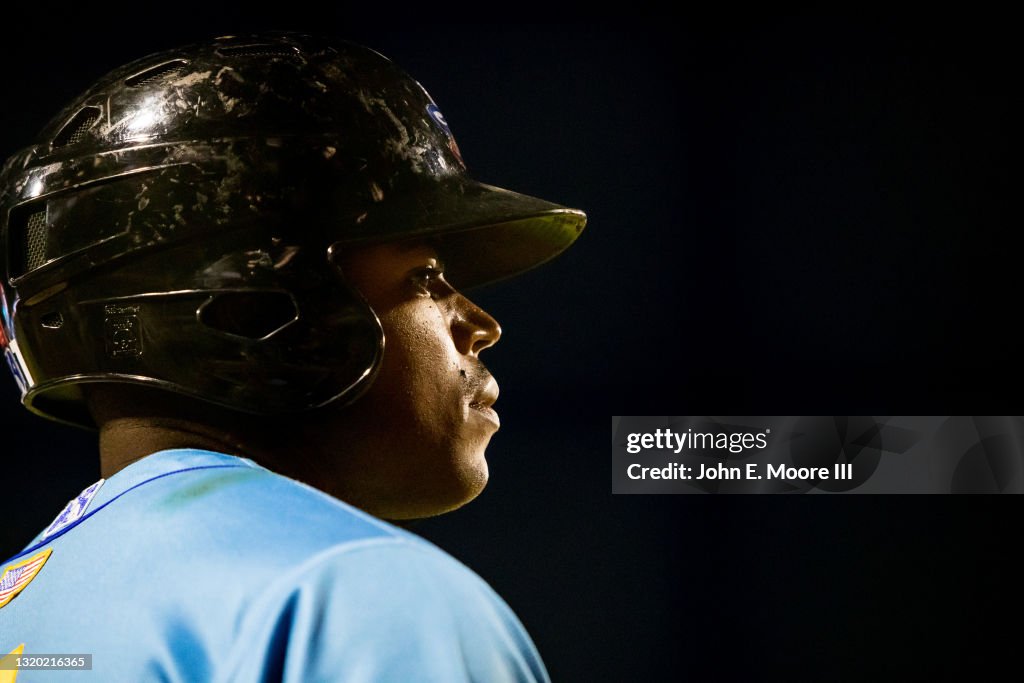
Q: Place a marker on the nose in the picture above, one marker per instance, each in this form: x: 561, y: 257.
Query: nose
x: 473, y: 329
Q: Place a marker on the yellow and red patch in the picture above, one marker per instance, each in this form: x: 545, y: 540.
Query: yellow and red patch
x: 17, y: 576
x: 9, y: 672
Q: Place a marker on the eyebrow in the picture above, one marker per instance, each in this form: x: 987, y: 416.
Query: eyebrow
x: 409, y: 245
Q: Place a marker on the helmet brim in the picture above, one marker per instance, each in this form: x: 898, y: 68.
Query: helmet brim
x: 483, y: 233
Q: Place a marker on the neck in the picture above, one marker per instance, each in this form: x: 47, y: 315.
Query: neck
x: 125, y: 440
x: 135, y: 422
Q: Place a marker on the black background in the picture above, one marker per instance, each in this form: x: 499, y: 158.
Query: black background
x: 795, y: 213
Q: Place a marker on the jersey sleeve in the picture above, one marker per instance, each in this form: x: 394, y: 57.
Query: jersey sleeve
x: 384, y: 610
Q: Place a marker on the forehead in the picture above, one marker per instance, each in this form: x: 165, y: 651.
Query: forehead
x: 377, y: 264
x: 416, y: 249
x: 386, y: 253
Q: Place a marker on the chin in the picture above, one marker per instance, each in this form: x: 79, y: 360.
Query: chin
x: 449, y: 493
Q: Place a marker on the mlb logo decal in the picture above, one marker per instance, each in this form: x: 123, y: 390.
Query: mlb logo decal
x: 74, y: 510
x: 17, y: 576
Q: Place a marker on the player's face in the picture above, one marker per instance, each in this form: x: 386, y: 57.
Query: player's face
x: 416, y: 438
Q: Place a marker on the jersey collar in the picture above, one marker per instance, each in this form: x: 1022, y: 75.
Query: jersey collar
x: 152, y: 467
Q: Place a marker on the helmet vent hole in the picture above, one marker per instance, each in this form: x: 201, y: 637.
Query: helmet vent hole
x: 52, y: 321
x: 258, y: 51
x: 35, y: 240
x: 156, y: 73
x: 75, y: 129
x: 253, y: 315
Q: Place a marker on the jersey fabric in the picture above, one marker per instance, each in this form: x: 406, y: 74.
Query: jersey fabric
x: 192, y: 565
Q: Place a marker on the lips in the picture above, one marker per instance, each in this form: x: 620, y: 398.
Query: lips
x: 485, y: 398
x: 487, y: 394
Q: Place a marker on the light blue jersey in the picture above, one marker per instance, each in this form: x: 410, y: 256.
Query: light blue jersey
x: 191, y: 565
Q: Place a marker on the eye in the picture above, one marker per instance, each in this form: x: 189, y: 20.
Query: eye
x: 428, y: 280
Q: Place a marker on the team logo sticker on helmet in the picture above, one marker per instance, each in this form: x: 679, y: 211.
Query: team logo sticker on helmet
x: 17, y: 576
x: 438, y: 118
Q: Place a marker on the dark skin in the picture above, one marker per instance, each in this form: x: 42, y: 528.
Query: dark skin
x: 411, y: 446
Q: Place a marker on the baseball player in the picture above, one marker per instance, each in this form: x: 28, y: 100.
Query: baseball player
x: 242, y: 262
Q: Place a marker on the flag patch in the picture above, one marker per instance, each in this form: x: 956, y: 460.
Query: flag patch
x: 17, y: 576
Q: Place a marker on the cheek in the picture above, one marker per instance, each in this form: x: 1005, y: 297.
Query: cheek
x: 420, y: 359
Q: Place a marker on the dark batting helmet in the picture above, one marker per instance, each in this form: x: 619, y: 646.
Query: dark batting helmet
x: 175, y: 226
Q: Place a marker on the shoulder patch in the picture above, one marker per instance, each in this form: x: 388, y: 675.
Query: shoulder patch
x: 17, y: 576
x: 73, y: 511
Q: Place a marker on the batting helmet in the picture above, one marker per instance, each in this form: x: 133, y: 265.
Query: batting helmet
x: 175, y: 225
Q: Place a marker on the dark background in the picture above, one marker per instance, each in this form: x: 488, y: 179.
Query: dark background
x: 793, y: 213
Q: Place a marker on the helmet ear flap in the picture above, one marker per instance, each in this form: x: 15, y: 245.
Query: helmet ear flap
x: 258, y: 352
x: 256, y: 315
